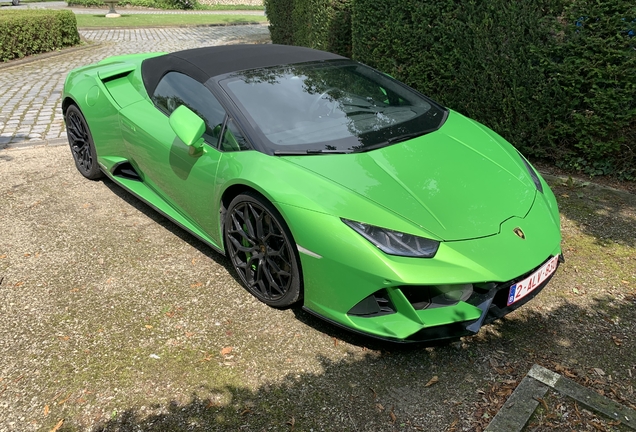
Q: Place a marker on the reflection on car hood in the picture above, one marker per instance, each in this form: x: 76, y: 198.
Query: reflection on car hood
x: 459, y: 182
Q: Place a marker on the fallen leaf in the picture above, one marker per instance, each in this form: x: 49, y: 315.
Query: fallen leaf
x: 19, y: 284
x: 189, y: 334
x: 617, y: 341
x: 335, y: 341
x: 542, y: 401
x: 3, y: 256
x: 247, y: 411
x: 196, y: 285
x: 64, y: 400
x: 380, y: 407
x: 194, y: 261
x: 291, y: 422
x: 392, y: 415
x: 432, y: 381
x: 46, y: 410
x: 58, y: 426
x: 226, y: 350
x: 148, y: 326
x: 599, y: 371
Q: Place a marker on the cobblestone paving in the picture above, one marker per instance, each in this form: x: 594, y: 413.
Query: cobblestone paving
x: 30, y: 94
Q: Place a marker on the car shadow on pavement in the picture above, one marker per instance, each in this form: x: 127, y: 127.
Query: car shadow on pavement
x: 458, y: 386
x: 172, y: 227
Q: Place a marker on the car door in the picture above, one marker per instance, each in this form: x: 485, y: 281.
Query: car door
x: 183, y: 177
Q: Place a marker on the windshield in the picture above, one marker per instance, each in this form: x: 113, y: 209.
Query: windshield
x: 330, y: 107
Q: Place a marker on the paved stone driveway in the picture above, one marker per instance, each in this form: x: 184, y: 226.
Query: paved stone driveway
x: 30, y: 93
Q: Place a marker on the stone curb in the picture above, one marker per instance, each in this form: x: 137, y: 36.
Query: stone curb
x: 54, y: 142
x: 578, y: 182
x: 47, y: 55
x: 515, y: 413
x: 178, y: 26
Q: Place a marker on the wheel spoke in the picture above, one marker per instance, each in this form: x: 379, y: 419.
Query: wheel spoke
x: 259, y: 251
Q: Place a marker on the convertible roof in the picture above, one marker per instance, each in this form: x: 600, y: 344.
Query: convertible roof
x: 204, y: 63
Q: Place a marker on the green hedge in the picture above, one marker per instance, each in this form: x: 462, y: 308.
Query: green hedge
x: 320, y: 24
x: 557, y: 78
x: 157, y: 4
x: 27, y: 32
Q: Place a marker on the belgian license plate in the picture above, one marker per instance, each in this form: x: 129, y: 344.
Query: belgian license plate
x: 529, y: 284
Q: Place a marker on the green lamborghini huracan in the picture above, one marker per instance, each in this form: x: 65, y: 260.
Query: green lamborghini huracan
x: 325, y: 182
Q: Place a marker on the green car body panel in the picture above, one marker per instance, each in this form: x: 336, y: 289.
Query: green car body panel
x: 438, y: 186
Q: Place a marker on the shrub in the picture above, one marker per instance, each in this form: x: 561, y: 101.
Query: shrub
x: 28, y: 32
x: 591, y: 66
x: 556, y: 78
x: 279, y: 14
x: 157, y: 4
x: 319, y: 24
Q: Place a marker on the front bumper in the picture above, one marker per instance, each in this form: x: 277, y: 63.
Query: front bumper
x: 489, y: 301
x: 344, y: 274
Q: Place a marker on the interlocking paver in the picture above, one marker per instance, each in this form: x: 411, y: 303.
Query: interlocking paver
x: 30, y: 94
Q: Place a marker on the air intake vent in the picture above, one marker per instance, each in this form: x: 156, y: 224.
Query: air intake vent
x: 126, y: 170
x: 377, y: 304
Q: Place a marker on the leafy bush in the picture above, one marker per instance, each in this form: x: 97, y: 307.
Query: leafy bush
x: 591, y: 67
x: 556, y: 78
x: 157, y: 4
x: 28, y: 32
x: 319, y: 24
x: 279, y: 14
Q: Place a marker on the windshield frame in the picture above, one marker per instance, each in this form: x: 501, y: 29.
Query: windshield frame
x: 382, y: 137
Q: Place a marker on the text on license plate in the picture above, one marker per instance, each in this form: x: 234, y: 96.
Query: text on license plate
x: 529, y: 284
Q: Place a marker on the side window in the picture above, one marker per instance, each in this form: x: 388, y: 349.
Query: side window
x: 233, y: 139
x: 176, y: 89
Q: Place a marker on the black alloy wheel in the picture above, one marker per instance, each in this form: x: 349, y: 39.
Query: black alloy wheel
x: 262, y: 250
x: 81, y: 142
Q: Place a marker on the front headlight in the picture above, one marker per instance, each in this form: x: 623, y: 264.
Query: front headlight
x: 395, y: 242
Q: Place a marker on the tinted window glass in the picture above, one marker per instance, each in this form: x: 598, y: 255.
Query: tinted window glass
x: 330, y: 106
x: 233, y: 139
x: 176, y: 89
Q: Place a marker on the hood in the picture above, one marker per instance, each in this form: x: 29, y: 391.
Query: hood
x: 459, y: 182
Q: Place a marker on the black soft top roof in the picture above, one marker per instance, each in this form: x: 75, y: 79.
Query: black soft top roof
x: 204, y: 63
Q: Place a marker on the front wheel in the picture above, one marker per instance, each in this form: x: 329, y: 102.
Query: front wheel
x: 262, y: 251
x: 81, y: 142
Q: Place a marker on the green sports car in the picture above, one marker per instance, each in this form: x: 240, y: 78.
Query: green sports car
x: 325, y: 182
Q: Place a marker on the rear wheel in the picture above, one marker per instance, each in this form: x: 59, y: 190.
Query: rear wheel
x: 262, y: 251
x: 81, y: 142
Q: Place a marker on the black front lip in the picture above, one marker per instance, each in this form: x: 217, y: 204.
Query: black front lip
x: 491, y: 304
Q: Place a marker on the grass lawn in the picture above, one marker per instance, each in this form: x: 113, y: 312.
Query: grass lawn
x: 86, y: 21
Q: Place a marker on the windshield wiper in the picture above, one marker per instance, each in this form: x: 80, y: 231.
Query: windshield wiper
x: 389, y: 141
x: 404, y: 137
x: 308, y: 152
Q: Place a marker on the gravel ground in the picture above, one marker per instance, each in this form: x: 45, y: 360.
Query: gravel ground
x: 112, y: 318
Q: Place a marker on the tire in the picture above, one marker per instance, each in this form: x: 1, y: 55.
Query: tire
x: 262, y: 251
x: 81, y: 142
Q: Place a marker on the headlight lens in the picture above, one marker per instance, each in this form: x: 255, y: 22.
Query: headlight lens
x: 532, y: 172
x: 395, y: 242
